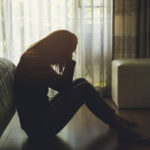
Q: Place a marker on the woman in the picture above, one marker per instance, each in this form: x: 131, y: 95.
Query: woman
x: 35, y: 72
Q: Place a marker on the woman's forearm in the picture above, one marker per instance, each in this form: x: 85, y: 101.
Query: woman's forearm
x: 68, y: 73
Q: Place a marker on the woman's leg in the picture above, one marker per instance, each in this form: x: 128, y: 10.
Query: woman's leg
x: 123, y: 120
x: 74, y: 83
x: 64, y: 106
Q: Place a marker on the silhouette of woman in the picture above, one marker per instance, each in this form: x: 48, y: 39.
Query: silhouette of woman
x: 35, y: 73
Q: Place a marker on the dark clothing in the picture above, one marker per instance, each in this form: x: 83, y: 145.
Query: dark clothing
x: 32, y: 79
x: 63, y: 106
x: 37, y: 115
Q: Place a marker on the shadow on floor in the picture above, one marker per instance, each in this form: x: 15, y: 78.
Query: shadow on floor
x: 55, y: 143
x: 105, y: 142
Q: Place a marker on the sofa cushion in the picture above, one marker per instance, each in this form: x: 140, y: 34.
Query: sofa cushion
x: 7, y: 107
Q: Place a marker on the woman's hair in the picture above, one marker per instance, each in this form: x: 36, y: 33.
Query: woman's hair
x: 57, y: 47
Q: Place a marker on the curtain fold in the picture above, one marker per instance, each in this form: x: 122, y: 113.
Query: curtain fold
x: 131, y: 29
x: 23, y: 22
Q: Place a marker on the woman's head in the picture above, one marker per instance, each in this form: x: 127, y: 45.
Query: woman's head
x: 63, y: 41
x: 58, y: 46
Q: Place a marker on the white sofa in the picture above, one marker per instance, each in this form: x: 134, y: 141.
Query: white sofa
x: 131, y: 83
x: 7, y: 104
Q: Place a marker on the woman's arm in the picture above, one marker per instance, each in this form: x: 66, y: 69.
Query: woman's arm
x: 34, y: 72
x: 62, y: 82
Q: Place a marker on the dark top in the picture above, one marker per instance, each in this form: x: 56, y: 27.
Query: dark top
x: 32, y: 79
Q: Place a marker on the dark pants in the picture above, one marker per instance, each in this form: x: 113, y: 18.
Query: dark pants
x: 64, y: 105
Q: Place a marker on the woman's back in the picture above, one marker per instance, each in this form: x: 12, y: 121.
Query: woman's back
x: 30, y: 93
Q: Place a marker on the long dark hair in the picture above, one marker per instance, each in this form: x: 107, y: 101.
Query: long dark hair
x: 56, y: 47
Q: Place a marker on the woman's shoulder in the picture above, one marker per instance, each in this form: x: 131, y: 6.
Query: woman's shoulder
x: 29, y: 60
x: 29, y: 56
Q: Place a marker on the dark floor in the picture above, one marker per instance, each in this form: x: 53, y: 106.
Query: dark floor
x: 83, y: 132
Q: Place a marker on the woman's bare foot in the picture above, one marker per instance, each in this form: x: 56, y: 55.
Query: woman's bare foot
x: 126, y: 122
x: 125, y: 134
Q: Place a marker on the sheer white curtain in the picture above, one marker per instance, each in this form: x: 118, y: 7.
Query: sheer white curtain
x: 23, y: 22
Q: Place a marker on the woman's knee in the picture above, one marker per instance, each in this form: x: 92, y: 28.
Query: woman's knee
x: 83, y: 87
x: 79, y: 80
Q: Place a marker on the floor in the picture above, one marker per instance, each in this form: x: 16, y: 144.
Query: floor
x: 83, y: 132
